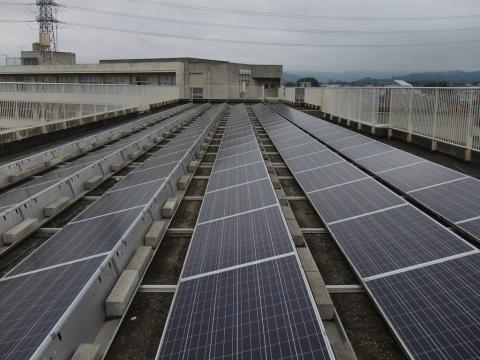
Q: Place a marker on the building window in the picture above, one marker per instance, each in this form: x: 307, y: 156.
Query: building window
x: 65, y: 79
x: 245, y: 72
x: 89, y: 79
x: 265, y: 86
x: 272, y: 86
x: 30, y: 61
x: 142, y: 80
x: 166, y: 79
x: 197, y: 92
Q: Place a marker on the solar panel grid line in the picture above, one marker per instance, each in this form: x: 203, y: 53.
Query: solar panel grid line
x: 106, y: 214
x: 152, y: 167
x: 379, y: 154
x: 236, y: 167
x: 468, y: 220
x: 320, y: 167
x: 338, y: 185
x: 134, y: 186
x: 235, y: 155
x: 236, y: 185
x: 355, y: 146
x: 422, y: 265
x: 344, y: 138
x: 309, y: 154
x: 9, y: 277
x: 402, y: 167
x: 439, y: 184
x: 235, y: 267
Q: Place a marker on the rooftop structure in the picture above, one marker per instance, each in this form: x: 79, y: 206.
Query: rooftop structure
x: 197, y: 78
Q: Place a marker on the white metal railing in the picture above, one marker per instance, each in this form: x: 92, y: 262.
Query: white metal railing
x: 215, y: 92
x: 30, y: 104
x: 450, y: 115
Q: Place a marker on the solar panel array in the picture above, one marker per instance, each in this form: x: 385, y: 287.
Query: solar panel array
x: 449, y: 193
x: 30, y: 188
x: 242, y: 293
x: 41, y: 289
x: 423, y: 277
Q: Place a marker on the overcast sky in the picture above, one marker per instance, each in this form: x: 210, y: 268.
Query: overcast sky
x: 90, y: 45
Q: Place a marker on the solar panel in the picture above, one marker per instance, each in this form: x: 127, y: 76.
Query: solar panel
x: 304, y: 149
x: 434, y: 309
x: 236, y: 150
x: 239, y: 175
x: 262, y: 311
x: 419, y: 176
x: 80, y: 240
x: 350, y: 141
x: 328, y: 175
x: 233, y: 161
x: 32, y: 304
x: 257, y: 235
x: 395, y: 239
x: 353, y: 199
x: 388, y: 159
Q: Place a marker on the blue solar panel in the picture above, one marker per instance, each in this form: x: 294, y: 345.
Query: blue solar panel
x: 434, y: 309
x: 238, y: 240
x: 395, y: 239
x: 353, y: 199
x: 261, y: 311
x: 32, y: 304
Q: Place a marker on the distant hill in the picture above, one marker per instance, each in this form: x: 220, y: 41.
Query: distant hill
x: 453, y: 77
x: 324, y: 77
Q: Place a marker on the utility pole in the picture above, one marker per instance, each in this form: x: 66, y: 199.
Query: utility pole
x: 47, y: 22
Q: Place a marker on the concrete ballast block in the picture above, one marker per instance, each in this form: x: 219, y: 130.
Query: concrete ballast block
x: 320, y: 294
x: 93, y: 181
x: 192, y: 166
x: 140, y: 259
x: 19, y: 231
x: 87, y: 352
x: 119, y: 297
x: 134, y: 155
x: 155, y: 233
x: 59, y: 204
x: 296, y: 233
x: 169, y: 207
x: 116, y: 166
x: 183, y: 182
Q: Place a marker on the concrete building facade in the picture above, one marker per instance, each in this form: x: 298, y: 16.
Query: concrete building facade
x: 196, y: 78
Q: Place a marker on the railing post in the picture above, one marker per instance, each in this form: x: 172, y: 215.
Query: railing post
x: 435, y: 116
x: 469, y: 130
x: 374, y: 103
x: 409, y: 121
x: 16, y: 102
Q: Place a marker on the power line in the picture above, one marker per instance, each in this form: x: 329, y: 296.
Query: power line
x: 16, y: 21
x: 301, y: 16
x: 267, y: 43
x: 261, y: 28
